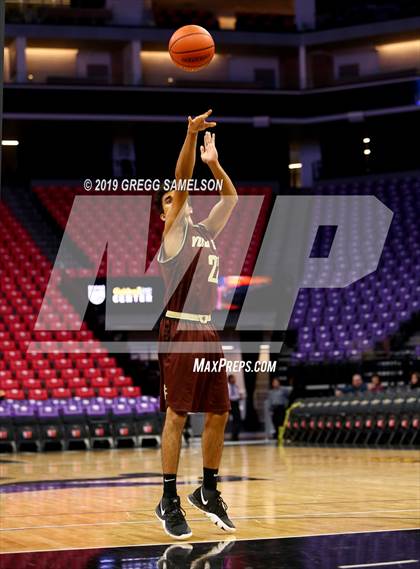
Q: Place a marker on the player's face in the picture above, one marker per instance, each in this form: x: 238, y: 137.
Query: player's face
x: 167, y: 202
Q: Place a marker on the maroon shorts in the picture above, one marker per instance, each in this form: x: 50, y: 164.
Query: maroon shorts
x: 181, y: 387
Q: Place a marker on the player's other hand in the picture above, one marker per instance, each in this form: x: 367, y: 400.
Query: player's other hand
x: 208, y: 151
x: 200, y: 122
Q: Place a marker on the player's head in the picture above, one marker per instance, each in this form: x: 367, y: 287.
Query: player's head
x: 375, y: 379
x: 357, y: 380
x: 164, y: 199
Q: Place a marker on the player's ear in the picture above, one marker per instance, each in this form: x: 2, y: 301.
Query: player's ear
x: 162, y: 217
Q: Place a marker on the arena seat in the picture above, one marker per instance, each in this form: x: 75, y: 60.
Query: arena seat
x: 64, y: 422
x: 340, y: 324
x: 389, y: 419
x: 58, y: 200
x: 24, y: 374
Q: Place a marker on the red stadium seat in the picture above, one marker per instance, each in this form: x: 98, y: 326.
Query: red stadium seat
x: 121, y: 381
x: 61, y: 393
x: 38, y: 394
x: 63, y: 363
x: 40, y: 363
x: 46, y: 373
x: 7, y: 345
x: 9, y: 384
x: 105, y: 361
x: 84, y: 363
x: 17, y: 394
x: 109, y: 392
x: 54, y: 383
x: 16, y: 365
x: 5, y: 374
x: 98, y: 382
x: 131, y: 391
x: 92, y: 372
x: 76, y: 382
x: 22, y: 374
x: 25, y: 276
x: 31, y: 384
x: 87, y: 392
x: 12, y: 356
x: 113, y: 372
x: 69, y: 373
x: 63, y: 336
x: 32, y: 356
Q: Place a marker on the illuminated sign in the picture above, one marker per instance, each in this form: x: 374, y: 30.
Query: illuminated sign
x: 128, y: 295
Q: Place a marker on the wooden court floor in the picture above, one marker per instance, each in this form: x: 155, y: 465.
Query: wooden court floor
x: 106, y: 498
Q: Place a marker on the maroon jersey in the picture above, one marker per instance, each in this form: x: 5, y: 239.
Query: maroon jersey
x: 191, y: 276
x: 191, y: 286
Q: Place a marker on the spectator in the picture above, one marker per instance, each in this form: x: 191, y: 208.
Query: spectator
x: 414, y: 380
x: 357, y: 386
x: 278, y: 400
x: 234, y: 397
x: 375, y: 385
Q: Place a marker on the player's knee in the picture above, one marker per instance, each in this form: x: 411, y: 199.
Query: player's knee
x: 174, y: 419
x: 217, y: 420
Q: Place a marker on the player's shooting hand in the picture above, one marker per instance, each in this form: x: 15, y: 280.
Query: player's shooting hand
x: 208, y: 150
x: 200, y: 123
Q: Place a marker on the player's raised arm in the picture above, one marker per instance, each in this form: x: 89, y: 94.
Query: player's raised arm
x: 221, y: 212
x: 186, y: 161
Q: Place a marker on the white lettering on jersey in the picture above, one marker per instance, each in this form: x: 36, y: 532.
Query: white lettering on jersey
x: 198, y: 241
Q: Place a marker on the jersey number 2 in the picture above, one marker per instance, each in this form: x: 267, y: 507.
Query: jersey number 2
x: 214, y: 273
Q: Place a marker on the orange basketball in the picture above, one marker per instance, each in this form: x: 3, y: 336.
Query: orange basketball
x: 191, y: 48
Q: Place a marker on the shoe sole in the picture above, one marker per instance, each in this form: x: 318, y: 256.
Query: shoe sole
x: 180, y: 537
x: 215, y: 519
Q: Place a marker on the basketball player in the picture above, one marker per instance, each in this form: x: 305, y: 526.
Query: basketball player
x: 189, y: 260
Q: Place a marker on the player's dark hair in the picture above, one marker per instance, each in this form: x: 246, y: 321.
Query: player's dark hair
x: 159, y: 197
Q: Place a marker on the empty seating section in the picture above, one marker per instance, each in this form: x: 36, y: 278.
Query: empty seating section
x: 337, y: 324
x: 331, y: 14
x: 385, y: 419
x: 39, y: 376
x: 89, y: 229
x: 173, y: 18
x: 90, y: 421
x: 266, y: 23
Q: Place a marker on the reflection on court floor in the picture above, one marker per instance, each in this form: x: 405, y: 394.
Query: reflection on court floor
x: 340, y: 551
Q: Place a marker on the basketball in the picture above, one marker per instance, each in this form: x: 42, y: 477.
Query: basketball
x: 191, y: 48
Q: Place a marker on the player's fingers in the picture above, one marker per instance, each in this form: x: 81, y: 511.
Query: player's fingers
x: 208, y: 112
x: 210, y: 124
x: 214, y: 138
x: 202, y: 149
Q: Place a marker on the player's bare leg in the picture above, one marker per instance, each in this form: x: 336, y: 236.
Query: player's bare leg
x: 207, y: 498
x: 169, y: 509
x: 213, y: 439
x: 171, y: 440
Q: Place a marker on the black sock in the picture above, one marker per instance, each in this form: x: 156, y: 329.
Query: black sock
x: 210, y: 478
x: 169, y: 485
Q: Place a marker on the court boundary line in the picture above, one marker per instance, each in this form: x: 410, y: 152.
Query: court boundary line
x: 148, y: 509
x: 208, y: 541
x: 280, y: 517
